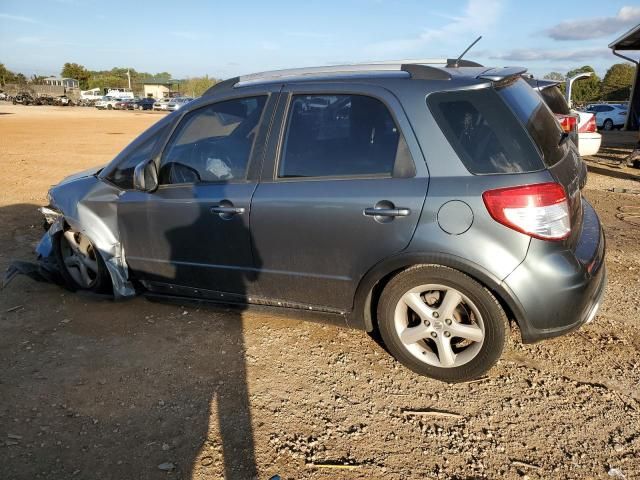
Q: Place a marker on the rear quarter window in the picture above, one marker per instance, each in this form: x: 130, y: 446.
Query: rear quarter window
x: 484, y: 132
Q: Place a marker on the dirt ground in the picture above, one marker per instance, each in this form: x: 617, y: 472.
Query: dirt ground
x: 91, y: 389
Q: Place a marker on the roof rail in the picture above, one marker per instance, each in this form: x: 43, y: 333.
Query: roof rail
x: 425, y: 72
x: 499, y: 74
x: 417, y: 68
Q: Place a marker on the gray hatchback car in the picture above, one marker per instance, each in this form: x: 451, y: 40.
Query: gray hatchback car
x: 431, y: 202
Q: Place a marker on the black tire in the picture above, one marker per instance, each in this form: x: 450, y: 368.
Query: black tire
x: 109, y: 107
x: 493, y: 317
x: 608, y: 125
x: 102, y: 282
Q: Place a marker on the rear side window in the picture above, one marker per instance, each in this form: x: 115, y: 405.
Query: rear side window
x: 340, y: 135
x: 484, y: 132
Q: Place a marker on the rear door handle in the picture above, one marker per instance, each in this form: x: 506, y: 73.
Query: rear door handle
x: 228, y: 210
x: 387, y: 212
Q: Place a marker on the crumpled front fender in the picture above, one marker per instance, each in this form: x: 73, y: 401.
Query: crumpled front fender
x: 89, y: 205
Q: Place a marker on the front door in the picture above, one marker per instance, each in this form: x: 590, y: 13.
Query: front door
x: 191, y: 236
x: 343, y: 191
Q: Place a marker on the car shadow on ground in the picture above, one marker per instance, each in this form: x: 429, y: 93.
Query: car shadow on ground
x: 103, y: 389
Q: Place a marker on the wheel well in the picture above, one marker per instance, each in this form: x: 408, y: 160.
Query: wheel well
x: 371, y: 307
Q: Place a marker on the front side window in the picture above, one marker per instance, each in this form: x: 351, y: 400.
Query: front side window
x: 213, y: 143
x: 339, y: 135
x: 122, y: 175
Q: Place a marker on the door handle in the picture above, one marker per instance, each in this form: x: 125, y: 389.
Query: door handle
x: 227, y: 210
x: 387, y: 212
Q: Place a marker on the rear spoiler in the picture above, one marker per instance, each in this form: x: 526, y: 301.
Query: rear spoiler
x: 500, y: 74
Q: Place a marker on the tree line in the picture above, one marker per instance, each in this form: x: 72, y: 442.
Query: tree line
x: 114, y: 78
x: 615, y: 86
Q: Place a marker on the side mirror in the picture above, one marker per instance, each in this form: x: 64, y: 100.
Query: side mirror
x: 145, y: 176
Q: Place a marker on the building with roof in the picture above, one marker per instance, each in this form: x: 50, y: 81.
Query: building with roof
x: 159, y: 88
x: 62, y: 82
x: 630, y: 42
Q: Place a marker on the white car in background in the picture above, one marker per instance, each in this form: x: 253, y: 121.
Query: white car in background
x: 589, y: 139
x: 107, y: 103
x: 609, y: 115
x: 162, y: 104
x: 581, y: 126
x: 178, y: 102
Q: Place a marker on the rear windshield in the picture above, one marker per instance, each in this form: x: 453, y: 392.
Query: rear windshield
x: 541, y: 124
x: 554, y: 99
x: 484, y: 131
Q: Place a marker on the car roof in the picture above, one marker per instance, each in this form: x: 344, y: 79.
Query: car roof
x: 460, y: 71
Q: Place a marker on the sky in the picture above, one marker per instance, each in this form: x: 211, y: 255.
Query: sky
x: 226, y: 38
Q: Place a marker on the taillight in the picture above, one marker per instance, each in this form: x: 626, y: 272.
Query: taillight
x: 567, y: 122
x: 540, y: 210
x: 589, y: 126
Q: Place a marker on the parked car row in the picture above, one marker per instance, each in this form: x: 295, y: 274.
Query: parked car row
x: 171, y: 104
x: 148, y: 103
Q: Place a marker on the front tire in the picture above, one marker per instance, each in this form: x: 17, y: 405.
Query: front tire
x: 608, y: 125
x: 80, y: 263
x: 441, y: 323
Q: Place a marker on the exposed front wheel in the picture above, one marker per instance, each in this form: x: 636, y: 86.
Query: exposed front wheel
x: 441, y: 323
x: 608, y: 124
x: 80, y: 262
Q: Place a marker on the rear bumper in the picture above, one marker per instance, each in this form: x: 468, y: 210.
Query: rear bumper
x: 589, y: 143
x: 556, y: 290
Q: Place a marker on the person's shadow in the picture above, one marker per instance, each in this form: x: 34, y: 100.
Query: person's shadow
x: 125, y: 389
x: 230, y: 393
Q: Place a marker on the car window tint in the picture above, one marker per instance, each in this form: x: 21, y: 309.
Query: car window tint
x: 484, y: 132
x: 339, y: 135
x: 213, y: 143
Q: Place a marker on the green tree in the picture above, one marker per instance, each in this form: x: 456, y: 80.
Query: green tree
x: 556, y: 76
x: 196, y: 86
x: 6, y: 75
x: 586, y: 89
x: 616, y: 84
x: 79, y: 72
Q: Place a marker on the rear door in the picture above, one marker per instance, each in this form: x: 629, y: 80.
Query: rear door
x: 342, y: 188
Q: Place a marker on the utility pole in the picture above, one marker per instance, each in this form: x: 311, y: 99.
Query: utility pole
x: 129, y: 78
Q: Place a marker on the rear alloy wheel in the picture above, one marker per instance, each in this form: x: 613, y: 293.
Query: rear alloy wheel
x: 608, y: 124
x: 441, y: 323
x: 80, y: 262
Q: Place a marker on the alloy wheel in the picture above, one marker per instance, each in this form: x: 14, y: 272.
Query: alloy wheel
x: 79, y: 257
x: 439, y: 325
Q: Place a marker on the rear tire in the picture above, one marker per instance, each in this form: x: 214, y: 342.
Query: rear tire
x: 80, y: 263
x: 455, y: 330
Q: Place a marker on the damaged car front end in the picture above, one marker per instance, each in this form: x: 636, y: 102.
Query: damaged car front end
x: 82, y: 235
